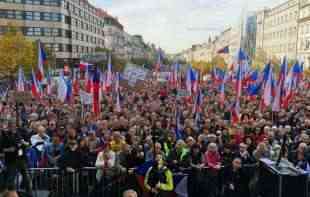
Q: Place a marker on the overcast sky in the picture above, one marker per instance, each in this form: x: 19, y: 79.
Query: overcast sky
x: 175, y: 25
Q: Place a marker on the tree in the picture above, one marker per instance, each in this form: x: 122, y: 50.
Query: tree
x: 260, y: 59
x: 219, y: 62
x: 15, y: 50
x: 307, y: 72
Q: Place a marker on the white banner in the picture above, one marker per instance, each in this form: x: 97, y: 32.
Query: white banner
x: 62, y: 89
x: 133, y: 73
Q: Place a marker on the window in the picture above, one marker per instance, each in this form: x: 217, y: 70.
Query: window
x: 3, y: 14
x: 3, y: 29
x: 74, y: 49
x: 68, y: 20
x: 68, y: 34
x: 37, y: 31
x: 47, y: 32
x: 55, y: 17
x: 19, y: 15
x: 46, y: 16
x: 29, y: 31
x: 36, y: 16
x: 10, y: 14
x: 29, y: 1
x: 36, y: 2
x: 55, y: 32
x: 29, y: 16
x: 56, y: 47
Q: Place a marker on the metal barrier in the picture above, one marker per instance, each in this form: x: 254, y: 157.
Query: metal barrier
x: 55, y: 182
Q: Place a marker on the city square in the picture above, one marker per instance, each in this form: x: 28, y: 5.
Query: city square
x: 154, y: 98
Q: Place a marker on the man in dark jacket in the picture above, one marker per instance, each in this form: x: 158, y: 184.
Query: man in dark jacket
x: 13, y: 146
x: 235, y: 181
x: 71, y: 162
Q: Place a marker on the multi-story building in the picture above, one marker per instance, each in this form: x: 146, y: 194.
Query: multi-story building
x: 69, y: 28
x: 203, y: 52
x: 234, y: 43
x: 280, y: 30
x: 114, y: 35
x: 250, y: 35
x: 260, y: 23
x: 304, y: 32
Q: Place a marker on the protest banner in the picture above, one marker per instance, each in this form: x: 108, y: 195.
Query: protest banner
x: 134, y: 73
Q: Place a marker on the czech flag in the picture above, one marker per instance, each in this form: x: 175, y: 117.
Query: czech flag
x: 41, y: 61
x: 35, y: 86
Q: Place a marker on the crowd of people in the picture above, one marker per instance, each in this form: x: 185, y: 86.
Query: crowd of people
x: 52, y: 134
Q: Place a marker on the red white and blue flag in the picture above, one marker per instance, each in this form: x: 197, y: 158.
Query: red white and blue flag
x: 191, y: 81
x: 35, y: 86
x: 41, y: 61
x: 235, y: 111
x: 267, y: 97
x: 278, y: 100
x: 88, y: 80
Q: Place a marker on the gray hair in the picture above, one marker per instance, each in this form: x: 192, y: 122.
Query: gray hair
x: 130, y: 193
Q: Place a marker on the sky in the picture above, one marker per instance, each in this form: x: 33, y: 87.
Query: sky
x: 175, y: 25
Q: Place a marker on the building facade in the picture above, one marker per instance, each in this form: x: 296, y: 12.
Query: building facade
x: 280, y: 33
x: 304, y: 32
x: 260, y: 24
x: 250, y: 35
x: 69, y: 28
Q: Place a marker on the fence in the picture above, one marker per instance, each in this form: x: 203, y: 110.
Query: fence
x: 54, y: 182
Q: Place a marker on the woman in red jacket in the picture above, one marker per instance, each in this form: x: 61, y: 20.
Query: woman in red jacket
x: 212, y: 158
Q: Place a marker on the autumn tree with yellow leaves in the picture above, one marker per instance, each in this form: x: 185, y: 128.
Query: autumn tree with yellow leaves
x: 15, y: 50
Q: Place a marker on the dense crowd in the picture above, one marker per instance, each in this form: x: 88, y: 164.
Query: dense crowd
x: 52, y: 134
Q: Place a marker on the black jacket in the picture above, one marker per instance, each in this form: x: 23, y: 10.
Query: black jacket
x: 72, y: 159
x: 238, y: 179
